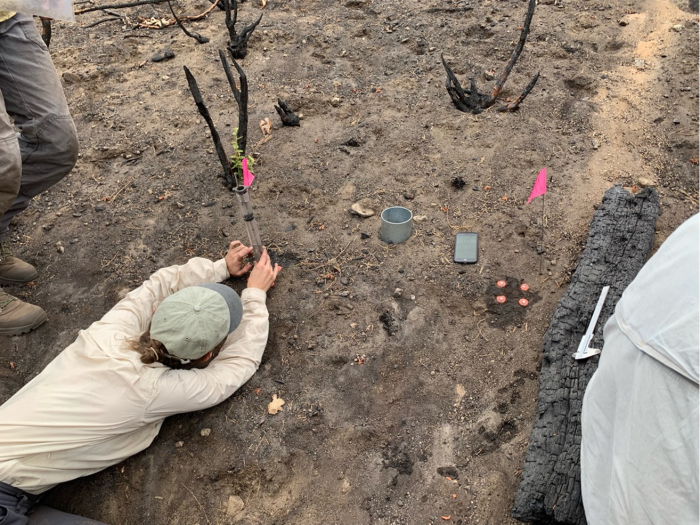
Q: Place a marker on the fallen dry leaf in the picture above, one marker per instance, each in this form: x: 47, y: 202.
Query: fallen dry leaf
x: 445, y: 517
x: 266, y: 126
x: 275, y: 405
x: 263, y: 3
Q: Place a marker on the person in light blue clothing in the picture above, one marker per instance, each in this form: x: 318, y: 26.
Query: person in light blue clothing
x: 639, y: 449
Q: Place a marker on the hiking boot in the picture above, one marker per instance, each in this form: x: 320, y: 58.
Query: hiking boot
x: 18, y: 317
x: 14, y: 270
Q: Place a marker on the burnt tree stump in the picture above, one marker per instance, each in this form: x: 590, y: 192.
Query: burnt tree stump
x: 620, y: 238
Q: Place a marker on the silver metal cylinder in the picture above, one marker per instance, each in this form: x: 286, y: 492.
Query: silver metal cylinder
x: 396, y: 225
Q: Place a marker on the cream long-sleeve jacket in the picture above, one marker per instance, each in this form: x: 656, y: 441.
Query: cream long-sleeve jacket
x: 96, y: 404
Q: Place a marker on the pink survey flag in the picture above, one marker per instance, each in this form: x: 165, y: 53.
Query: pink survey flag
x: 540, y: 187
x: 247, y: 175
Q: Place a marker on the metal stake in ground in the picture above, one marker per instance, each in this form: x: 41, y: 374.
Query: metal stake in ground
x: 542, y: 239
x: 540, y: 188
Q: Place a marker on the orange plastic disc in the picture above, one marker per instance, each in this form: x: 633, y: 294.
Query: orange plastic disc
x: 523, y: 302
x: 501, y: 299
x: 524, y: 287
x: 501, y: 284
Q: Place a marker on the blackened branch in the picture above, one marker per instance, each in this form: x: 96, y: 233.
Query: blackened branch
x: 514, y: 105
x: 238, y: 43
x: 196, y: 36
x: 471, y: 101
x: 117, y: 6
x: 286, y: 114
x: 516, y: 53
x: 229, y: 175
x: 46, y: 30
x: 241, y: 96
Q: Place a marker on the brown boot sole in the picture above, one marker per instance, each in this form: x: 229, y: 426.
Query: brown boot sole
x: 19, y: 330
x: 9, y: 282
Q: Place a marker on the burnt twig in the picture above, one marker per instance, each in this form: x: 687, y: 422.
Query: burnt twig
x: 287, y: 115
x: 199, y: 38
x: 514, y: 105
x: 102, y: 21
x: 238, y: 43
x: 46, y: 30
x: 473, y: 101
x: 229, y: 174
x: 118, y: 6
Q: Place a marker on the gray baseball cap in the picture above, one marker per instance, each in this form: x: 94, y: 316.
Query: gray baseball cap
x: 194, y: 320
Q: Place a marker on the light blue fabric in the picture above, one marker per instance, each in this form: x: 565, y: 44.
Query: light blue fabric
x: 640, y: 432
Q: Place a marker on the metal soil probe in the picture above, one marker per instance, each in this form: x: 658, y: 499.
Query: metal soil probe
x: 251, y: 225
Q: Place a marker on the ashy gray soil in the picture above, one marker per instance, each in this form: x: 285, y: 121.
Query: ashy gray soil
x: 409, y: 392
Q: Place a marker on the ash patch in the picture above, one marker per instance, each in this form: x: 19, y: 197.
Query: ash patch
x: 450, y: 472
x: 397, y: 458
x: 390, y: 323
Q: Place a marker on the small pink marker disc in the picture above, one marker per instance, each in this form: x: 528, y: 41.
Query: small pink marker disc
x: 524, y: 287
x: 523, y: 302
x: 501, y: 284
x: 501, y: 299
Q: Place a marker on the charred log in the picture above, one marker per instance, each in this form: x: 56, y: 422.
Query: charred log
x: 620, y: 238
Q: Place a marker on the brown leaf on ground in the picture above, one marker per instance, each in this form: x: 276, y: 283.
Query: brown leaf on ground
x: 266, y: 126
x: 275, y: 405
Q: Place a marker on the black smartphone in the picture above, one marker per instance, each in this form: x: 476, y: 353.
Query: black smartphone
x: 466, y: 248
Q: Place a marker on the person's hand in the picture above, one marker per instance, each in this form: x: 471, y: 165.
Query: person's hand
x: 235, y: 259
x: 263, y: 275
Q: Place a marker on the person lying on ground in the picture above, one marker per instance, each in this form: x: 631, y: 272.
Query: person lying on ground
x: 639, y: 446
x: 178, y: 343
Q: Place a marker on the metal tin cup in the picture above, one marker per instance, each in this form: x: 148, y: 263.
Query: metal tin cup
x: 397, y: 225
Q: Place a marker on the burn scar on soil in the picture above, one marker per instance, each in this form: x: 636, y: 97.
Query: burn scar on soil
x: 397, y: 458
x: 509, y: 313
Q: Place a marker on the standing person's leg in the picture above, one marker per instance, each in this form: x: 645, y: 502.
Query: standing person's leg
x: 46, y: 148
x: 14, y: 505
x: 34, y: 99
x: 40, y: 515
x: 10, y: 160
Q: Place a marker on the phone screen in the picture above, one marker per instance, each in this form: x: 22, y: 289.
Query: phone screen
x: 466, y: 247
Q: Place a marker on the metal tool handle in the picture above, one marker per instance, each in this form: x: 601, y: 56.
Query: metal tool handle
x: 583, y: 350
x: 596, y: 313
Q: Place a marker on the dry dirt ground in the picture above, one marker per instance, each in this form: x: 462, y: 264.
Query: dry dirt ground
x: 401, y: 408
